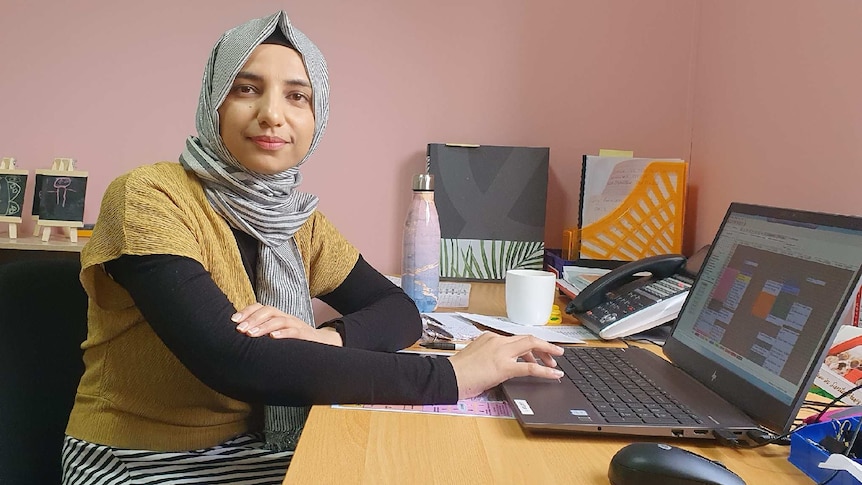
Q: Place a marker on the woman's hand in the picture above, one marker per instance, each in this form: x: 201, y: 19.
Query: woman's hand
x: 492, y: 359
x: 256, y: 320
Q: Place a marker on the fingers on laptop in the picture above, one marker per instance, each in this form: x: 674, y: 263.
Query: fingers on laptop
x: 492, y: 359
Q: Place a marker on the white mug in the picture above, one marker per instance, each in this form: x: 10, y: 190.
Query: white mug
x: 530, y: 296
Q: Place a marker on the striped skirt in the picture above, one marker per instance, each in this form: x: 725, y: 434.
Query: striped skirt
x: 241, y: 460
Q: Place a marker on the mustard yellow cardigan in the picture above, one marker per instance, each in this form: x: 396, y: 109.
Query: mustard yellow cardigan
x: 134, y: 392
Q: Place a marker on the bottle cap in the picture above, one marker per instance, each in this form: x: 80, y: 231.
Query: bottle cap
x: 423, y: 181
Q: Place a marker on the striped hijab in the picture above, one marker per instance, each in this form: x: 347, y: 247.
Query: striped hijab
x: 268, y: 207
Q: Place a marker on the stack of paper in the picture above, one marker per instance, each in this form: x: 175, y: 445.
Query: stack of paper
x: 449, y: 326
x: 580, y: 277
x: 561, y: 334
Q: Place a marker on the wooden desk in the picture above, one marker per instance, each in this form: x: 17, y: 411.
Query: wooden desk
x: 360, y: 446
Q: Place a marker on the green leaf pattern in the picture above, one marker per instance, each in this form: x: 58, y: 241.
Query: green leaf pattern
x: 483, y: 259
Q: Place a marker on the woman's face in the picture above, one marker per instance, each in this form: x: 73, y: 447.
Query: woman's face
x: 267, y: 120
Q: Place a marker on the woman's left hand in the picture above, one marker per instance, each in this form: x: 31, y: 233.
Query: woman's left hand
x: 256, y: 320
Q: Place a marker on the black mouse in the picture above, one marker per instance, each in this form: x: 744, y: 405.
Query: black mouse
x: 661, y: 464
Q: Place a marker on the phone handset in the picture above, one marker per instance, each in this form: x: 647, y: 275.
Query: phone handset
x: 660, y: 266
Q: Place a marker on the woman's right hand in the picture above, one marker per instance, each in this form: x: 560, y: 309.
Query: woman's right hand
x: 257, y: 320
x: 492, y: 359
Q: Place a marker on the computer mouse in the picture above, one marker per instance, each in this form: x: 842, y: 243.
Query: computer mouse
x: 661, y: 464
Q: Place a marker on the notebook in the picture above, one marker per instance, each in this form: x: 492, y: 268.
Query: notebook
x: 743, y: 352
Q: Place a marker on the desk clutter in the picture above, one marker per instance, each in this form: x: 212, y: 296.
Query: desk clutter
x: 462, y: 326
x: 58, y: 197
x: 767, y: 300
x: 448, y: 326
x: 631, y: 214
x: 832, y: 449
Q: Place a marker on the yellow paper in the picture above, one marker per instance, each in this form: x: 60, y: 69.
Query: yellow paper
x: 605, y: 152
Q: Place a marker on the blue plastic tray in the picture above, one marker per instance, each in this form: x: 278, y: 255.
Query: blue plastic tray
x: 806, y: 454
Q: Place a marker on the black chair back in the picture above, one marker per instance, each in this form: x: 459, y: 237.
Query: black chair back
x: 43, y: 320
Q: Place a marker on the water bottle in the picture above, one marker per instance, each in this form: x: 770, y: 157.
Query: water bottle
x: 420, y: 265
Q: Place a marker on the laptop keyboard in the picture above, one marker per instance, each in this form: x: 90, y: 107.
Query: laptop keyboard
x: 620, y: 392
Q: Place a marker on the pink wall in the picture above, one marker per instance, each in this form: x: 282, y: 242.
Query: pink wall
x: 115, y: 85
x: 778, y: 107
x: 762, y: 96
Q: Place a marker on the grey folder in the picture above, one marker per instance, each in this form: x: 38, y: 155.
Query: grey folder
x: 491, y: 202
x: 744, y: 350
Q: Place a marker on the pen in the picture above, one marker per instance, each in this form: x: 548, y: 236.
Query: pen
x: 443, y: 345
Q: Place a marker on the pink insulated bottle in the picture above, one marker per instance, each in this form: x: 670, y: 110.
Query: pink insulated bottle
x: 420, y: 266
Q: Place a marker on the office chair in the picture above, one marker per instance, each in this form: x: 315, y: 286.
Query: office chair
x: 43, y: 320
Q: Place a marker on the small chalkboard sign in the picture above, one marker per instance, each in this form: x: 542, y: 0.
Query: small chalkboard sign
x: 12, y: 193
x: 60, y: 195
x: 58, y: 164
x: 12, y: 185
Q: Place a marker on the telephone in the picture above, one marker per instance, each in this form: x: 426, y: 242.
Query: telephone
x: 620, y: 303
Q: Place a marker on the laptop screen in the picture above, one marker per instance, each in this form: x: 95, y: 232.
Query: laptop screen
x: 765, y: 306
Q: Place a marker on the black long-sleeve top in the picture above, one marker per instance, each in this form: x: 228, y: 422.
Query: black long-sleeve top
x: 191, y: 315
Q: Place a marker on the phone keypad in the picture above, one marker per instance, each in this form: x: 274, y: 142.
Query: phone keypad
x: 621, y: 306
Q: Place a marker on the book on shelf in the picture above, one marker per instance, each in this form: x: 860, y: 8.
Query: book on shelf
x: 842, y: 368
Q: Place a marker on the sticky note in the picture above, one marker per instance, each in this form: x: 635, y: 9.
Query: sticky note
x: 605, y: 152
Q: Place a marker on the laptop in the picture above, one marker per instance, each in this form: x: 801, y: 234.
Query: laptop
x: 743, y: 352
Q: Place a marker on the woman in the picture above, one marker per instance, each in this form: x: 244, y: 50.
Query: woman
x: 177, y: 382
